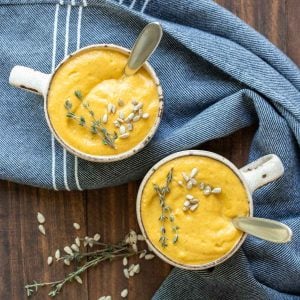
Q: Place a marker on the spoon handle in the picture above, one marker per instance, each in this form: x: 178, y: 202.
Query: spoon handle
x: 265, y: 229
x: 144, y: 46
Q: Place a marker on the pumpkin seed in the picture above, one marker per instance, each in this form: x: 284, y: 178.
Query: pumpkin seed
x: 97, y: 237
x: 145, y: 116
x: 105, y: 118
x: 76, y: 226
x: 149, y: 256
x: 124, y: 293
x: 124, y: 135
x: 78, y: 279
x: 122, y: 129
x: 42, y: 229
x: 194, y: 172
x: 57, y: 254
x: 49, y: 260
x: 40, y: 217
x: 216, y: 190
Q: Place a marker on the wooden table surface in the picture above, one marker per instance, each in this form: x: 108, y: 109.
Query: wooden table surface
x: 111, y: 211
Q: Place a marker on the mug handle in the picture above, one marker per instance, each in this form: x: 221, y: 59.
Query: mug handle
x: 30, y: 80
x: 262, y: 171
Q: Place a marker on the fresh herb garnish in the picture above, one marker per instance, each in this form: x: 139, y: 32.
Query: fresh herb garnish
x: 86, y: 260
x: 96, y: 126
x: 166, y: 211
x: 78, y: 94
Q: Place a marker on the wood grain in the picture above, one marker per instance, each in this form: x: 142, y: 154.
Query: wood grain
x: 111, y: 211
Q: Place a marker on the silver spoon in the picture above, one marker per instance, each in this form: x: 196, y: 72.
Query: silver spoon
x: 265, y: 229
x: 143, y: 47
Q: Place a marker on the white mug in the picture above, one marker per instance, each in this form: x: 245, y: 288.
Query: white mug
x: 40, y: 83
x: 254, y: 175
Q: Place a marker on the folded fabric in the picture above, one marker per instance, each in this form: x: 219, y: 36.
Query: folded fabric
x: 218, y: 75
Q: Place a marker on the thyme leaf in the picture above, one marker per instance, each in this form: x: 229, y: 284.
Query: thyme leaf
x: 95, y: 127
x: 166, y: 211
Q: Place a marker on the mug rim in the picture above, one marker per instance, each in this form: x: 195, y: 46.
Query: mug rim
x: 173, y: 156
x: 123, y: 155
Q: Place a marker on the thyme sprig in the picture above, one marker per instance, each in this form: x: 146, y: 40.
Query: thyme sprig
x: 95, y: 127
x: 166, y: 212
x: 89, y: 259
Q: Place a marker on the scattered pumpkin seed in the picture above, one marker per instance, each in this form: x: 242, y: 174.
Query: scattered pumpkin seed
x: 124, y: 293
x: 216, y: 190
x: 140, y: 237
x: 75, y: 248
x: 149, y: 256
x: 126, y: 273
x: 42, y: 229
x: 142, y: 254
x: 97, y: 237
x: 122, y: 129
x: 194, y: 172
x: 68, y: 250
x: 189, y: 185
x: 145, y: 115
x: 130, y: 117
x: 185, y: 177
x: 180, y: 182
x: 194, y: 207
x: 57, y: 254
x: 109, y: 107
x: 137, y: 268
x: 49, y: 260
x: 207, y: 190
x: 138, y: 106
x: 125, y: 261
x: 116, y: 123
x: 136, y: 118
x: 129, y: 127
x: 67, y: 262
x: 76, y: 226
x: 78, y: 279
x: 124, y: 135
x: 187, y: 203
x: 40, y: 217
x: 105, y: 118
x: 121, y: 115
x: 77, y: 241
x: 134, y: 102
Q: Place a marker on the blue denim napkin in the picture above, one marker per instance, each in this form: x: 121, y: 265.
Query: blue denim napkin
x: 218, y: 76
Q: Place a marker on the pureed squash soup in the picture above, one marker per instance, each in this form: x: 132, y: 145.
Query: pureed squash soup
x: 186, y: 208
x: 97, y: 110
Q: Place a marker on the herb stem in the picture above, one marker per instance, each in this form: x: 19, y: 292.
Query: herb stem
x: 166, y: 211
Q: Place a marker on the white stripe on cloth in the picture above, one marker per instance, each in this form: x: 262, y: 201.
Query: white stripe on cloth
x: 132, y: 4
x: 144, y: 6
x: 66, y: 53
x: 52, y: 70
x: 77, y: 47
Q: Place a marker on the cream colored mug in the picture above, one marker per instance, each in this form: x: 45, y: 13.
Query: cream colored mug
x: 254, y: 175
x: 40, y: 83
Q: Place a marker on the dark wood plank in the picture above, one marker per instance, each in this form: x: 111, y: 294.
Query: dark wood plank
x: 23, y: 250
x: 292, y: 36
x: 111, y: 211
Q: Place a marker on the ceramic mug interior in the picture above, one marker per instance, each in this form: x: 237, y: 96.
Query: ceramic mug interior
x: 139, y: 199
